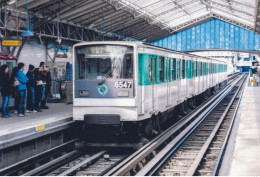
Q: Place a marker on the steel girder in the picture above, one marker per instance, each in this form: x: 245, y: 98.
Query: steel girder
x: 89, y: 11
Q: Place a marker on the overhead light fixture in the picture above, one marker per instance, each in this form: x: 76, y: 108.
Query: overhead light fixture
x: 91, y: 25
x: 27, y: 32
x: 11, y: 2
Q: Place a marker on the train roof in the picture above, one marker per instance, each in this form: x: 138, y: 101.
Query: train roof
x: 7, y: 57
x: 147, y: 45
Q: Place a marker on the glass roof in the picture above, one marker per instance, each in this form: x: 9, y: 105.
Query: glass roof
x: 170, y: 14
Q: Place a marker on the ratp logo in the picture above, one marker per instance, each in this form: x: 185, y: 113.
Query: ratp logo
x: 102, y: 89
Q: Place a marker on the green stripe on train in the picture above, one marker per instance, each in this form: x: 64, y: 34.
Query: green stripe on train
x: 154, y: 69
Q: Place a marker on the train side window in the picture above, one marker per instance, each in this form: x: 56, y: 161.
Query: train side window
x: 179, y: 69
x: 167, y: 69
x: 197, y: 69
x: 201, y: 69
x: 192, y: 69
x: 183, y: 69
x: 161, y: 69
x: 173, y: 69
x: 205, y: 72
x: 207, y: 68
x: 152, y: 67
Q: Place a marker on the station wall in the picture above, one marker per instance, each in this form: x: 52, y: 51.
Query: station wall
x: 213, y: 34
x: 34, y: 53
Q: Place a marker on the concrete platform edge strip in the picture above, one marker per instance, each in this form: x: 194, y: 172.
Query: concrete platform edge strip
x: 34, y: 135
x: 30, y: 133
x: 16, y: 131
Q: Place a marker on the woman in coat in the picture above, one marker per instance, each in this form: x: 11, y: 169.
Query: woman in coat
x: 5, y: 90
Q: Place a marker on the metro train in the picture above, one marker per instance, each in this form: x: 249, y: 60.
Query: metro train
x: 137, y: 86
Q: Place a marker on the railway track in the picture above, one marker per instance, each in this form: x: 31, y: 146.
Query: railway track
x: 198, y: 155
x: 153, y: 157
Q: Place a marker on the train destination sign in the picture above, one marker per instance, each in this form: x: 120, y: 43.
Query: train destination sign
x: 11, y: 42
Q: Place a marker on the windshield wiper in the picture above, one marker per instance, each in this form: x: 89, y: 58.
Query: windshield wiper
x: 106, y: 75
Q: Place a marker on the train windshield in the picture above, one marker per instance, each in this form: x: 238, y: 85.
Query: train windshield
x: 104, y: 61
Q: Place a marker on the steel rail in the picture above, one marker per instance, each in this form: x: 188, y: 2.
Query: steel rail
x: 90, y: 159
x: 205, y: 147
x: 217, y: 165
x: 7, y: 171
x: 130, y: 162
x: 51, y: 163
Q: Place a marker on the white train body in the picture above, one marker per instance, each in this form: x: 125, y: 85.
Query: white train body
x: 110, y: 98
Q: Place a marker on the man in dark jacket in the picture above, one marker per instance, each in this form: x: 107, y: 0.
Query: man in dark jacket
x: 43, y: 75
x: 31, y: 84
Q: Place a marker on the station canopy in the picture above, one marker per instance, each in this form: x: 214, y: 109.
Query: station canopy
x: 147, y: 20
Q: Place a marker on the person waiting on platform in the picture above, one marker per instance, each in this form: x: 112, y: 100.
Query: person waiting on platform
x: 22, y: 79
x: 15, y: 93
x: 31, y: 84
x: 5, y: 90
x: 43, y: 75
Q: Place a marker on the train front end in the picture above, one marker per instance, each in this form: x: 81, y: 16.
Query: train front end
x: 104, y: 83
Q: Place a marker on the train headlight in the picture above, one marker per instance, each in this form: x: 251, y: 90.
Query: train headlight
x: 123, y: 93
x: 83, y: 92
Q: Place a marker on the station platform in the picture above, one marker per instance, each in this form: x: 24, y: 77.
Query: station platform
x: 16, y: 129
x: 246, y: 154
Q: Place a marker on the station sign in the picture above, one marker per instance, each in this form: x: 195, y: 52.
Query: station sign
x: 11, y: 42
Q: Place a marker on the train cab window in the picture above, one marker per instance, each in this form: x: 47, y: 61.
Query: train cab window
x: 173, y: 69
x: 161, y: 69
x: 183, y: 69
x: 104, y: 61
x: 152, y: 68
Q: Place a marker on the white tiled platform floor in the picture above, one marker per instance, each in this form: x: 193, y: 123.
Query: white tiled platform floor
x: 246, y: 157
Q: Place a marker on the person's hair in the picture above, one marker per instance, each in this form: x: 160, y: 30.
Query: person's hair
x: 14, y: 73
x: 41, y: 64
x: 20, y: 65
x: 2, y: 71
x: 31, y: 67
